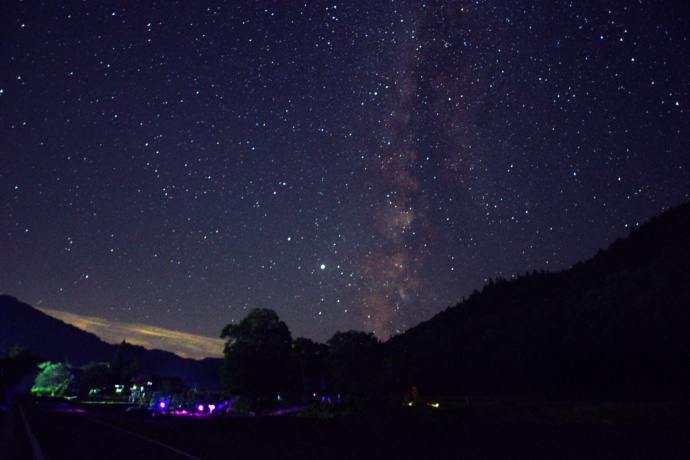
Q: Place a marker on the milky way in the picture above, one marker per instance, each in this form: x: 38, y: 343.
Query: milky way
x: 358, y: 165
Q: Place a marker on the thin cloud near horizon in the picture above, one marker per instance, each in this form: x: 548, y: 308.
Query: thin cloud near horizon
x: 150, y: 337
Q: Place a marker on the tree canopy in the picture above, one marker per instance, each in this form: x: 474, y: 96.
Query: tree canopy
x: 123, y: 366
x: 55, y: 379
x: 257, y: 355
x: 354, y: 359
x: 14, y: 367
x: 309, y: 366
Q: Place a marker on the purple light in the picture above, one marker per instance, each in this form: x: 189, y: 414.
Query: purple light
x: 80, y: 411
x: 201, y: 407
x: 211, y: 408
x: 162, y: 404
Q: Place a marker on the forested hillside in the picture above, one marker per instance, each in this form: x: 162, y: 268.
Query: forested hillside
x: 614, y: 327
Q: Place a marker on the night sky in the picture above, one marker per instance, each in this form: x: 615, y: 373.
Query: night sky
x: 351, y: 165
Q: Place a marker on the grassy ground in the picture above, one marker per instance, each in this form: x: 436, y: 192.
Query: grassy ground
x: 478, y: 430
x: 566, y: 412
x: 457, y: 428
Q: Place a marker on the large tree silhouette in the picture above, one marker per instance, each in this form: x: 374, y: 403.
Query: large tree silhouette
x: 354, y: 360
x: 257, y: 355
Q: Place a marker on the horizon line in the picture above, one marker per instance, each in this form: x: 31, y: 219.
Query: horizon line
x: 183, y: 344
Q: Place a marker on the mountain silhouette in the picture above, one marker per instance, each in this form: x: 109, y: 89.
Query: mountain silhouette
x: 614, y: 327
x: 54, y: 340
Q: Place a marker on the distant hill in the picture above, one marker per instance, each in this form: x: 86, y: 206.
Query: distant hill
x: 54, y: 340
x: 614, y: 327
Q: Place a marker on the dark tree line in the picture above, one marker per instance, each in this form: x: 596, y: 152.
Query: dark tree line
x: 262, y: 361
x: 121, y: 369
x: 61, y: 379
x: 14, y: 365
x: 614, y: 327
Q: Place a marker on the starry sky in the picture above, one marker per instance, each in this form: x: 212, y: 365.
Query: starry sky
x: 351, y: 165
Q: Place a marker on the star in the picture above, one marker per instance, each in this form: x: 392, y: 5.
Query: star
x: 421, y: 151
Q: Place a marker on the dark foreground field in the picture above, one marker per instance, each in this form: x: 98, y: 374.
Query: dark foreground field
x: 555, y: 431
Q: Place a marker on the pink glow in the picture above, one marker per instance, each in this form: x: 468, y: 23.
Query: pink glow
x: 80, y: 411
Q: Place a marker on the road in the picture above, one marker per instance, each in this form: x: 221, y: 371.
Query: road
x: 53, y: 432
